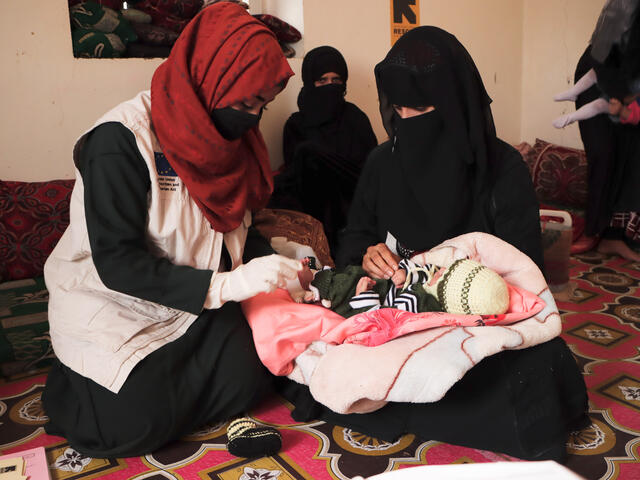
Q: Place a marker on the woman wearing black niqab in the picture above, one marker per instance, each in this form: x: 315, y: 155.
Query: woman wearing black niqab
x: 325, y: 145
x: 444, y: 173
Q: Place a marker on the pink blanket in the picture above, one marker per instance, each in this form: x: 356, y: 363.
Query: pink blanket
x: 283, y: 329
x: 358, y: 364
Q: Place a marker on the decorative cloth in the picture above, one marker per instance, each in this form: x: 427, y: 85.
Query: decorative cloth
x: 93, y: 44
x: 34, y: 217
x: 92, y: 16
x: 239, y: 59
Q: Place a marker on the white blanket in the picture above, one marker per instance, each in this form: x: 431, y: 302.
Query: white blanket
x: 422, y: 366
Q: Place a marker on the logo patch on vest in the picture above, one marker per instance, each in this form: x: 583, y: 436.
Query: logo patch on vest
x: 162, y: 165
x: 168, y: 179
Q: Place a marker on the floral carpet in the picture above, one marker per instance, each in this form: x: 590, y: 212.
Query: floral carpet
x: 601, y: 315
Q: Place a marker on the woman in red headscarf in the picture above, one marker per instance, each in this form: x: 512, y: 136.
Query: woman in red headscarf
x: 145, y: 283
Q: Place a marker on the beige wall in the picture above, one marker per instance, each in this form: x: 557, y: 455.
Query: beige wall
x: 556, y: 33
x: 50, y: 98
x: 361, y: 33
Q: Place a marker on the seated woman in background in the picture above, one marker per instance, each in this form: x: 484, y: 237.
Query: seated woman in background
x: 444, y: 173
x: 324, y: 145
x: 146, y: 282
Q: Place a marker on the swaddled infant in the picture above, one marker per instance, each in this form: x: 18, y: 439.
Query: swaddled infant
x: 465, y: 287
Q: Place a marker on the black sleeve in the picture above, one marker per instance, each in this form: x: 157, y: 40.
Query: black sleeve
x: 116, y: 184
x: 362, y: 221
x: 516, y: 209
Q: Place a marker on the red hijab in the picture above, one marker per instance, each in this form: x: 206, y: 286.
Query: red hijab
x: 223, y: 56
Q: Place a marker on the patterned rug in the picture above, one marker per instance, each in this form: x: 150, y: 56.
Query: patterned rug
x: 601, y: 316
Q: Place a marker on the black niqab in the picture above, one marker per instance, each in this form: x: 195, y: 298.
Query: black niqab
x: 440, y: 159
x: 324, y: 104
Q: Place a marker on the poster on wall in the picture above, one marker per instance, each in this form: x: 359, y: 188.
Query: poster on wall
x: 405, y: 15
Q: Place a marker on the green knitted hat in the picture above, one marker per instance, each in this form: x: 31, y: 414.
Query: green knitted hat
x: 467, y: 287
x: 322, y: 281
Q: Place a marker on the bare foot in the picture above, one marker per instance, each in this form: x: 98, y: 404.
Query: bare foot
x: 618, y: 247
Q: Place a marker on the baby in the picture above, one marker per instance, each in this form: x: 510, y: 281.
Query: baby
x: 465, y: 287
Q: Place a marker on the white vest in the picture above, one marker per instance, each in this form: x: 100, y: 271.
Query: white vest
x: 98, y: 332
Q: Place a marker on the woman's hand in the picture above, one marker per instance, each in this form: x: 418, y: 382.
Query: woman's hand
x: 262, y: 274
x: 380, y: 262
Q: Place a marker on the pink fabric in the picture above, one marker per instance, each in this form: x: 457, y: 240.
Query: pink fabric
x: 379, y: 326
x: 634, y: 114
x: 422, y: 366
x: 283, y: 329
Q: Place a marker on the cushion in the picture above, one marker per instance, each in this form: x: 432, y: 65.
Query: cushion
x: 559, y: 175
x: 33, y: 216
x: 93, y: 44
x: 94, y: 17
x: 296, y: 227
x: 25, y: 344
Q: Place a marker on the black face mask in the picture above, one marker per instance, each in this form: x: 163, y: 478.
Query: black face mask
x: 232, y: 124
x: 416, y: 136
x: 320, y: 105
x: 431, y: 178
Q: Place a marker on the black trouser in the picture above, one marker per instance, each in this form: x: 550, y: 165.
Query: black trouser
x: 209, y: 374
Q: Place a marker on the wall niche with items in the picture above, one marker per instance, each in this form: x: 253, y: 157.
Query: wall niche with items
x: 149, y: 28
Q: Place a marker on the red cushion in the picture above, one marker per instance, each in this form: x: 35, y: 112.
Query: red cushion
x: 33, y: 216
x: 559, y: 175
